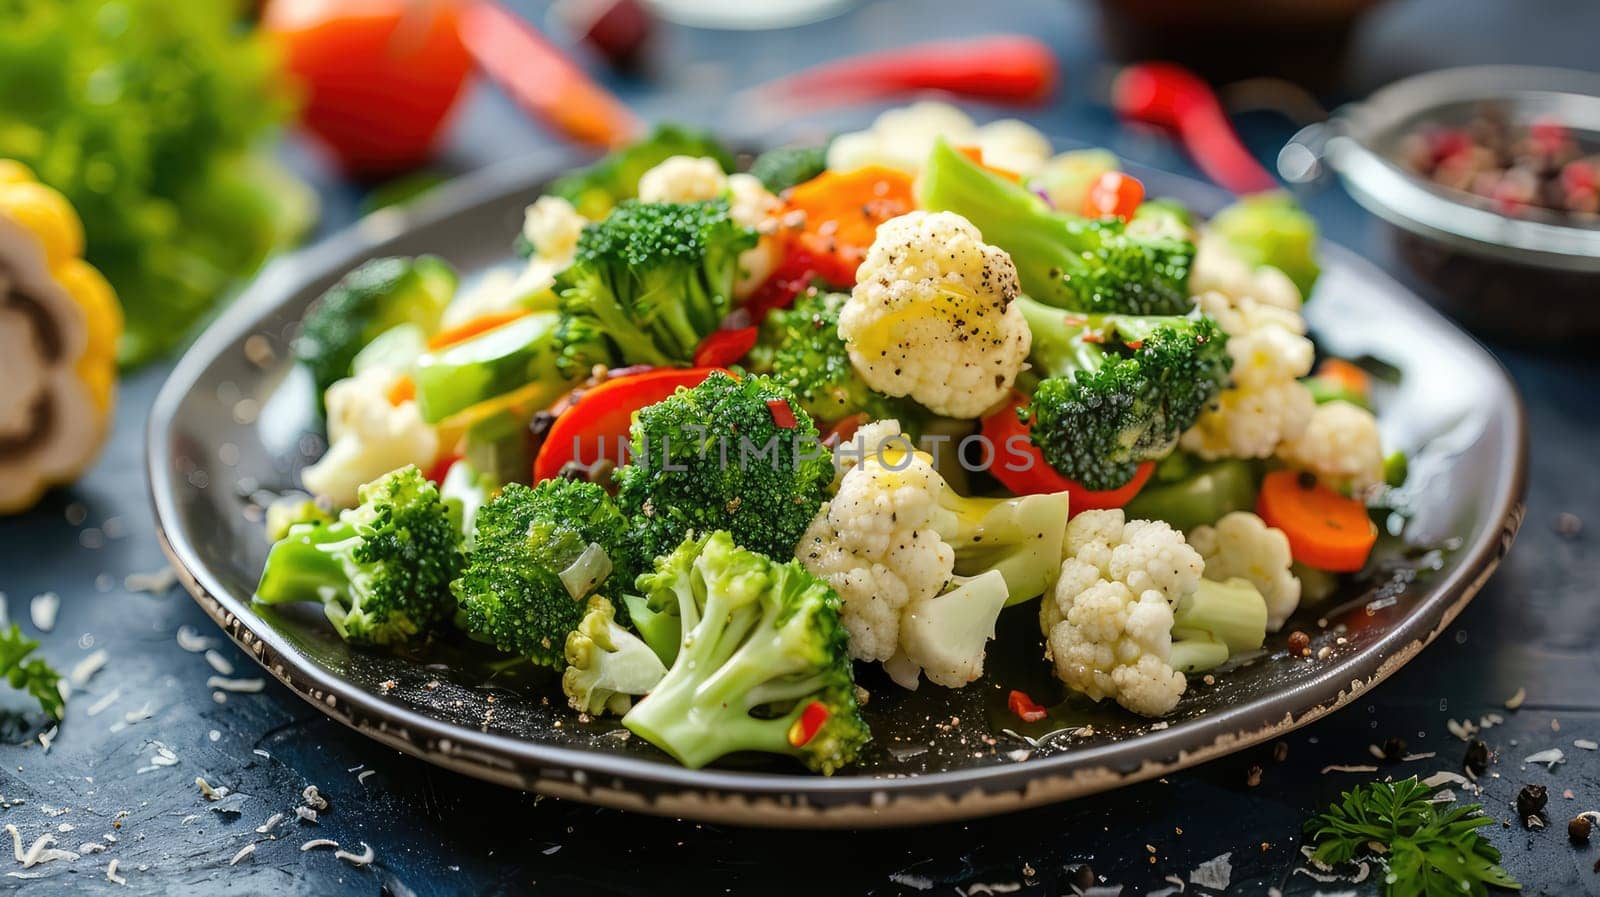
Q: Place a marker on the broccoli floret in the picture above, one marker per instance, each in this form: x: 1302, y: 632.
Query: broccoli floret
x: 764, y: 663
x: 1271, y: 229
x: 540, y: 551
x: 289, y: 510
x: 1118, y: 389
x: 784, y: 167
x: 1100, y: 266
x: 734, y: 454
x: 654, y: 278
x: 381, y: 571
x: 375, y: 297
x: 800, y: 348
x: 606, y: 664
x: 594, y: 190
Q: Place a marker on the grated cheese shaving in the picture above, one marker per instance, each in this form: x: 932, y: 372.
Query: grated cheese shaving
x: 244, y: 686
x: 1215, y: 873
x: 156, y: 582
x: 1339, y: 767
x: 314, y: 843
x: 365, y: 857
x: 84, y: 669
x: 100, y: 705
x: 362, y: 777
x: 43, y: 610
x: 270, y: 824
x: 112, y: 876
x: 243, y: 852
x: 1585, y: 744
x: 314, y: 798
x: 219, y: 663
x: 1515, y: 701
x: 191, y: 640
x: 1550, y: 757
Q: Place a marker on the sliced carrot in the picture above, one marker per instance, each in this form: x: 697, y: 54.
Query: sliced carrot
x: 403, y: 391
x: 1349, y: 376
x: 474, y: 326
x: 1326, y: 530
x: 842, y: 212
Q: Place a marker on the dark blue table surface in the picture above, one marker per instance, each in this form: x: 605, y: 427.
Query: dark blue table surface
x: 1535, y: 626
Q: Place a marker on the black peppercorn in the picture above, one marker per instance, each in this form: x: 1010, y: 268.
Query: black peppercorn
x: 1531, y: 801
x: 1579, y: 828
x: 1477, y: 759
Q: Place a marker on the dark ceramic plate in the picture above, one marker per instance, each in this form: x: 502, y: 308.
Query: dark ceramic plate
x: 236, y: 418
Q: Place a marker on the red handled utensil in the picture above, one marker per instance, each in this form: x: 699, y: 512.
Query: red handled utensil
x: 1004, y: 69
x: 1172, y: 97
x: 542, y: 79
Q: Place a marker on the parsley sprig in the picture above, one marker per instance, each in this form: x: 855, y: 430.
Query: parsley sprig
x: 32, y: 676
x: 1430, y: 851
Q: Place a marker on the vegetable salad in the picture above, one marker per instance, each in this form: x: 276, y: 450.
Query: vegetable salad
x: 725, y: 437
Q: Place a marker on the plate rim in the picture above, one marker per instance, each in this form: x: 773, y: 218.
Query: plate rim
x: 768, y: 798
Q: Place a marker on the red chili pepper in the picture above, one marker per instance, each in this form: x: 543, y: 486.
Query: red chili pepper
x: 721, y: 348
x: 1025, y: 708
x: 844, y: 429
x: 596, y: 423
x: 541, y: 79
x: 1113, y: 195
x: 1004, y: 68
x: 809, y: 724
x: 1170, y: 96
x: 441, y: 468
x: 1031, y: 474
x: 782, y: 414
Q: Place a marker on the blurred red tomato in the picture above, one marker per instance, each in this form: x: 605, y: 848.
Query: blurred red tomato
x: 380, y: 77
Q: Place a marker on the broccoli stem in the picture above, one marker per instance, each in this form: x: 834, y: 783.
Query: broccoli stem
x: 306, y: 564
x: 697, y: 717
x: 1215, y: 622
x: 1019, y: 537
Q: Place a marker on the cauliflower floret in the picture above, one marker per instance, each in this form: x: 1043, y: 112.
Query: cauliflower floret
x: 944, y: 636
x: 902, y: 138
x: 868, y: 441
x: 552, y: 227
x: 368, y: 437
x: 1012, y: 145
x: 683, y: 179
x: 1266, y: 404
x: 882, y: 544
x: 1340, y: 445
x: 1217, y: 267
x: 1108, y: 628
x: 876, y: 545
x: 899, y: 138
x: 931, y: 316
x: 1251, y: 423
x: 1241, y: 544
x: 752, y: 206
